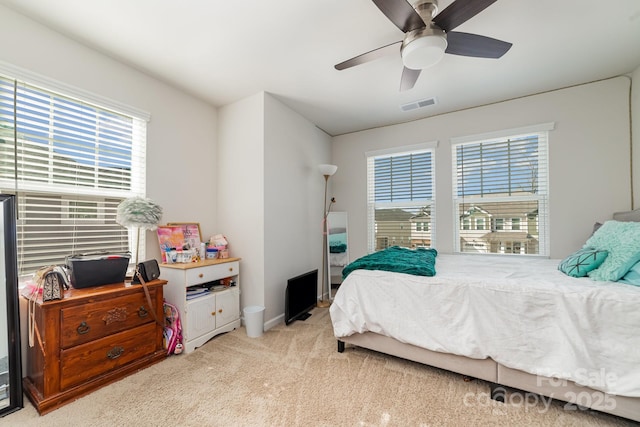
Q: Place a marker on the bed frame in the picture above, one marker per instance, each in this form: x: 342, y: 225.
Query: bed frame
x: 500, y: 376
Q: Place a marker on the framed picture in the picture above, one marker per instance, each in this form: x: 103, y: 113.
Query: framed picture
x: 191, y: 232
x: 179, y: 235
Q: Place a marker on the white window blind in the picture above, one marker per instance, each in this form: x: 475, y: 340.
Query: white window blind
x: 70, y: 163
x: 500, y: 194
x: 401, y: 202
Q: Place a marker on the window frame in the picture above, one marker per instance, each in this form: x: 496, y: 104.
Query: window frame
x: 63, y: 193
x: 541, y: 196
x: 372, y: 228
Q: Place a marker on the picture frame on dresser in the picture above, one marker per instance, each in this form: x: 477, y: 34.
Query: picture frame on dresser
x: 169, y: 237
x: 190, y: 230
x: 179, y: 235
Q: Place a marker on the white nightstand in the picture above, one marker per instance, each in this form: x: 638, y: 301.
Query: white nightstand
x: 212, y: 313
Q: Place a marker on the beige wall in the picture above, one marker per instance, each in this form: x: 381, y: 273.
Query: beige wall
x: 294, y: 147
x: 225, y: 188
x: 635, y: 131
x: 181, y: 136
x: 589, y: 159
x: 240, y: 183
x: 270, y: 196
x: 194, y: 177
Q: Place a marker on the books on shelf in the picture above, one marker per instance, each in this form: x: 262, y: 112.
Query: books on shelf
x: 201, y: 290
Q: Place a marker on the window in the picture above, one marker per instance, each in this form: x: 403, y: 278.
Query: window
x: 422, y: 226
x: 400, y: 198
x: 517, y: 247
x: 502, y: 178
x: 70, y: 162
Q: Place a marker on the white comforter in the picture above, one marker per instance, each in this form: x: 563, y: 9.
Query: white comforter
x: 521, y: 312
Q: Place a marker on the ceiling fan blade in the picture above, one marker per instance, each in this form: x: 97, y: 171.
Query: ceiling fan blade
x: 466, y: 44
x: 409, y: 78
x: 460, y: 11
x: 400, y: 13
x: 370, y: 56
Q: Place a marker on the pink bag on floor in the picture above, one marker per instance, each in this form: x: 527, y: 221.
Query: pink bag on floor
x: 172, y: 329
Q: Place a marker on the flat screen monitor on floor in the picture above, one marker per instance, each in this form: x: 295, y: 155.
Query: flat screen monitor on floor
x: 301, y: 296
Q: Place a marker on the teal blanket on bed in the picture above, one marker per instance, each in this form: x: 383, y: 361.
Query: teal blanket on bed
x: 419, y: 262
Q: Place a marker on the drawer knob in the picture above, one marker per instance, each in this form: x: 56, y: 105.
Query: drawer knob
x: 230, y: 268
x: 83, y: 328
x: 142, y: 312
x: 201, y: 275
x: 115, y: 352
x: 213, y: 313
x: 220, y: 311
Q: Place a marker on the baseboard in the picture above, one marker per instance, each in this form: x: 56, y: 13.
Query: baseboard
x: 270, y: 323
x: 274, y: 322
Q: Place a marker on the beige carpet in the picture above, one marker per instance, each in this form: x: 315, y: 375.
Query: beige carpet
x: 293, y: 376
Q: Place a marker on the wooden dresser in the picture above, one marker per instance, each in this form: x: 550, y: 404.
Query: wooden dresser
x: 92, y: 337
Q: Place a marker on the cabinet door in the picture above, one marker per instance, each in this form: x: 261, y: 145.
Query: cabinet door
x: 201, y: 316
x: 227, y: 306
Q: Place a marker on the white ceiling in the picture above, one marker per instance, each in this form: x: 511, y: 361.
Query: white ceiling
x: 225, y: 50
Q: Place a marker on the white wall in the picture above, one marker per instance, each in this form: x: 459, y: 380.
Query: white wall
x: 270, y: 196
x: 589, y: 159
x: 293, y: 199
x: 240, y: 182
x: 222, y: 190
x: 261, y: 186
x: 181, y: 136
x: 635, y: 131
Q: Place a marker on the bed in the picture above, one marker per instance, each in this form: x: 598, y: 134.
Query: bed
x: 517, y: 322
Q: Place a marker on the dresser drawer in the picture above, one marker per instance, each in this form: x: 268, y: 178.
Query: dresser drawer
x: 83, y: 362
x: 196, y: 276
x: 84, y: 323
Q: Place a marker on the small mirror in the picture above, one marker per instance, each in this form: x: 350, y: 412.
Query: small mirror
x: 338, y: 245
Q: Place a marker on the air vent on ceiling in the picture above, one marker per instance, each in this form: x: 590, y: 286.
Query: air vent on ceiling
x: 418, y: 104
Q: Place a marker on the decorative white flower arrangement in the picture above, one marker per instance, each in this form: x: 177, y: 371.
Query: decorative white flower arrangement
x: 141, y: 213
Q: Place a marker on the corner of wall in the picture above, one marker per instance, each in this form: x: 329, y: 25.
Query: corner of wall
x: 634, y: 116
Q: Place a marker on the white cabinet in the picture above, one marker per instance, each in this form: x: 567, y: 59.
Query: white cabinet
x: 212, y: 313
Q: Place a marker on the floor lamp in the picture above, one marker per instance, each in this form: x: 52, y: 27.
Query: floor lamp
x: 326, y: 171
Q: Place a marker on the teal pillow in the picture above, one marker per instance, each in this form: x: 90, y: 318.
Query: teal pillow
x: 622, y: 240
x: 633, y: 276
x: 579, y: 263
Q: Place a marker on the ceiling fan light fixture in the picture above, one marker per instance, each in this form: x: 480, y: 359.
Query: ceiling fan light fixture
x: 423, y: 48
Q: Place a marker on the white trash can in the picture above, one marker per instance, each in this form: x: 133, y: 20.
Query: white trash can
x: 254, y: 320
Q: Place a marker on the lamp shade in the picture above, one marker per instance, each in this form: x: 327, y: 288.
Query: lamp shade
x: 139, y: 212
x: 327, y: 170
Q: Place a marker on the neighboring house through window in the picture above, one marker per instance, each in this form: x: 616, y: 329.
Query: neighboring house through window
x: 515, y: 224
x: 401, y: 203
x: 70, y: 162
x: 500, y: 179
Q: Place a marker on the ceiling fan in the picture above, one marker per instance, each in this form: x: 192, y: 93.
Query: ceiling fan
x: 428, y: 36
